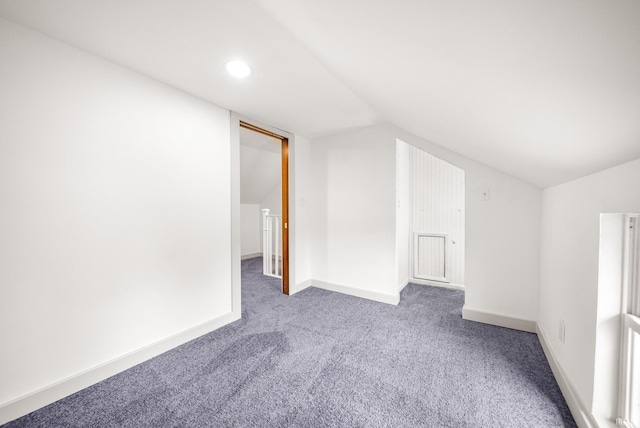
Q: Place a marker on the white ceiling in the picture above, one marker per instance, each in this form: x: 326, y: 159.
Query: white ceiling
x: 545, y: 90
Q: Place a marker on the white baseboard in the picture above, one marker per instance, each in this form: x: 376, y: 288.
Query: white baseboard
x: 498, y: 319
x: 299, y: 287
x: 250, y: 256
x: 392, y: 299
x: 403, y: 285
x: 33, y: 401
x: 437, y: 284
x: 583, y: 417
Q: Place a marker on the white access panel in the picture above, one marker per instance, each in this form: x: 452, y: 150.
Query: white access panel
x: 430, y: 257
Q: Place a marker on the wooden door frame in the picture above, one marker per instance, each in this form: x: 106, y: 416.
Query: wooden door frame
x: 284, y: 150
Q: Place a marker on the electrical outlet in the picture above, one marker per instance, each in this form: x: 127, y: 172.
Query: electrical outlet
x: 561, y: 331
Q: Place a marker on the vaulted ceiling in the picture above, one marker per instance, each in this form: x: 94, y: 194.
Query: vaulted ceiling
x: 260, y: 166
x: 545, y: 90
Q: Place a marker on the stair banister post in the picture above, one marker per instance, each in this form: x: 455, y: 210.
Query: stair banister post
x: 266, y: 238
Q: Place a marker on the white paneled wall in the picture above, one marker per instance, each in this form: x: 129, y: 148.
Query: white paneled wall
x: 437, y: 209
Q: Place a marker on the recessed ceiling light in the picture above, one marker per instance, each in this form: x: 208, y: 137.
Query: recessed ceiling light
x: 238, y: 68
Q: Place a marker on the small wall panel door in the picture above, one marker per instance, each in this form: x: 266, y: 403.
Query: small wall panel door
x: 430, y: 257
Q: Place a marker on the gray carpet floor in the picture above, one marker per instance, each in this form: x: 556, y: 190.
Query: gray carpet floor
x: 323, y: 359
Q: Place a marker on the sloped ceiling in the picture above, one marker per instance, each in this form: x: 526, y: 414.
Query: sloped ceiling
x: 544, y: 90
x: 260, y: 166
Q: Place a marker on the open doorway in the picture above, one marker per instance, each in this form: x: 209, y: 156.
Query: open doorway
x: 264, y: 200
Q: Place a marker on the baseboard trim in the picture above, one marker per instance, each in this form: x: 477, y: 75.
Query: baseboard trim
x: 437, y: 284
x: 35, y: 400
x: 583, y: 417
x: 299, y: 287
x: 498, y: 319
x: 392, y: 299
x: 250, y: 256
x: 403, y: 285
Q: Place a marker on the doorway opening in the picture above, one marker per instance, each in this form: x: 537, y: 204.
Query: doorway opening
x: 264, y: 199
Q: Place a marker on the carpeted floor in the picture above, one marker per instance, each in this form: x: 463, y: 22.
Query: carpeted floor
x: 323, y: 359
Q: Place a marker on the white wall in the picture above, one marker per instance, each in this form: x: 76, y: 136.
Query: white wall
x: 354, y: 223
x: 260, y: 173
x: 251, y: 229
x: 115, y: 212
x: 502, y: 237
x: 569, y: 268
x: 353, y: 213
x: 273, y: 200
x: 403, y: 212
x: 300, y: 212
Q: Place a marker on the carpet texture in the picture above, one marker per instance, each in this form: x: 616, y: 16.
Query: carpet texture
x: 323, y: 359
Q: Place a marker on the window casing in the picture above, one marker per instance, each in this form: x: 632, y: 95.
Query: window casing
x: 630, y: 353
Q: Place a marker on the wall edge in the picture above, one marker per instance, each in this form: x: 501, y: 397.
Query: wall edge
x: 392, y: 299
x: 42, y: 397
x: 583, y: 417
x: 498, y: 319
